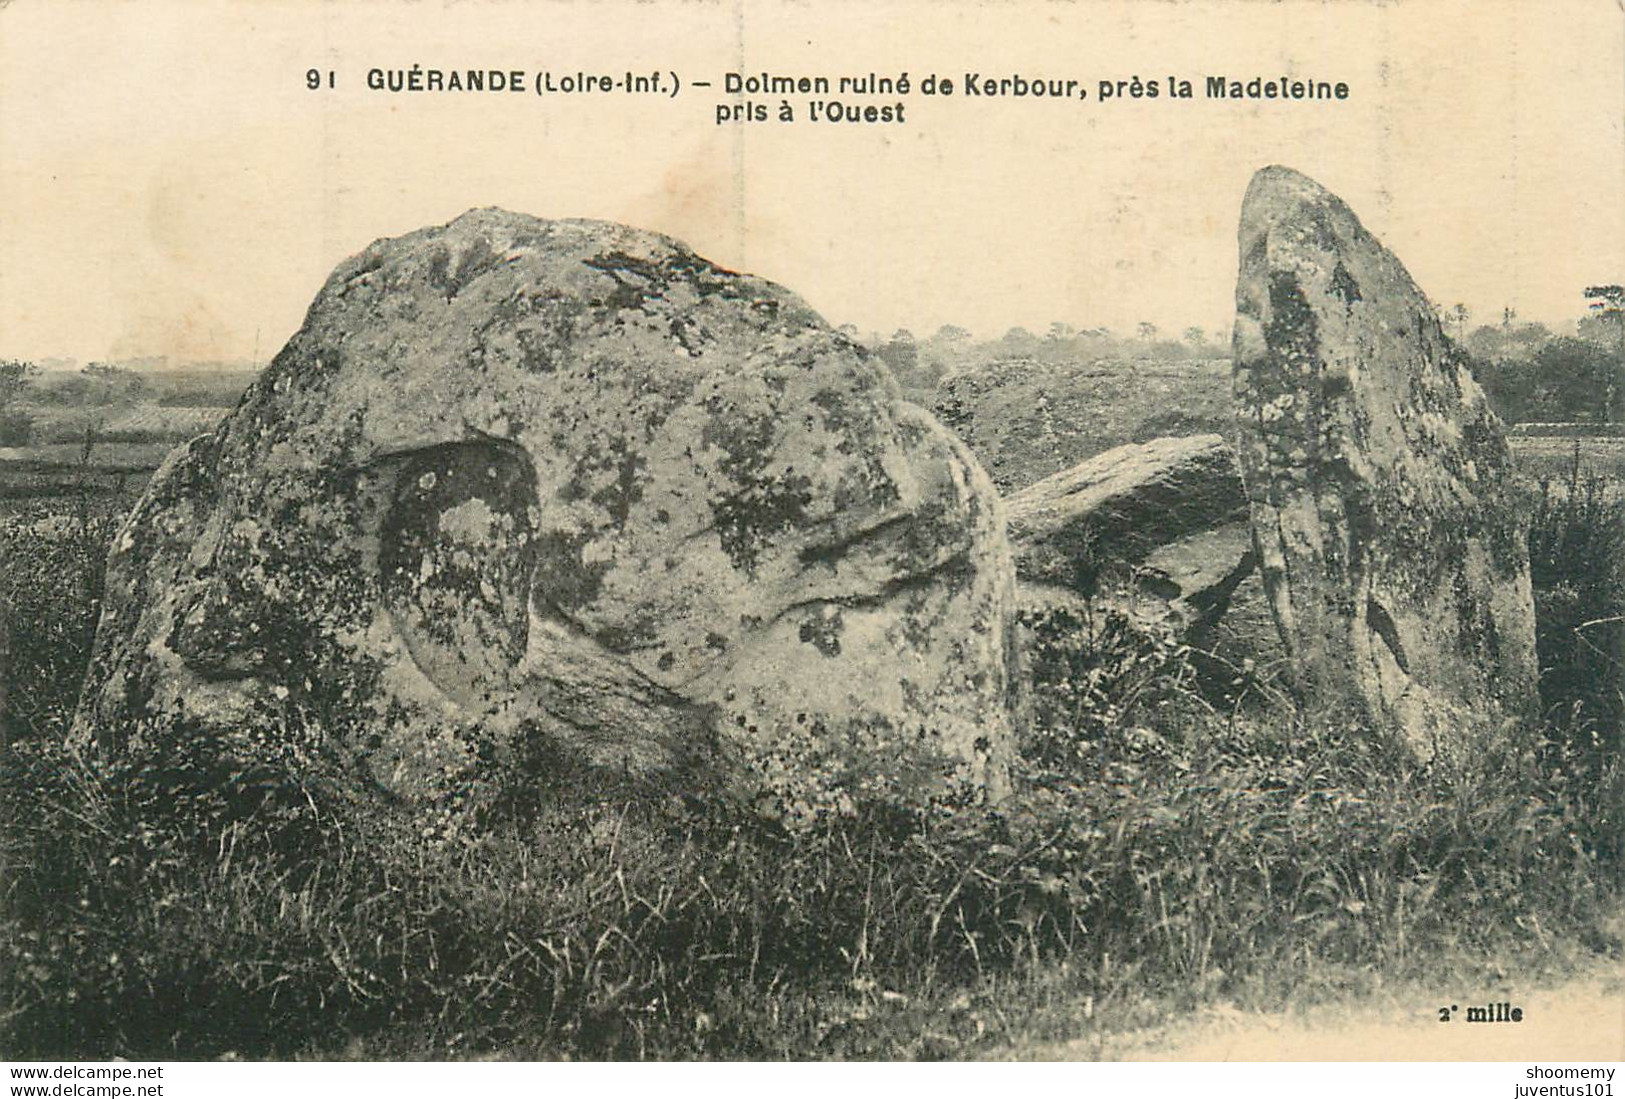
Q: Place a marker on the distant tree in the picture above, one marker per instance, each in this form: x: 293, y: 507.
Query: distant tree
x: 1483, y: 342
x: 1607, y: 300
x: 14, y: 375
x: 1608, y: 303
x: 1573, y: 380
x: 1525, y: 340
x: 1496, y: 346
x: 1146, y: 331
x: 16, y: 426
x: 1598, y: 329
x: 902, y: 355
x: 1458, y: 316
x: 951, y: 334
x: 1060, y: 331
x: 1566, y: 379
x: 1018, y: 335
x: 1196, y: 336
x: 104, y: 383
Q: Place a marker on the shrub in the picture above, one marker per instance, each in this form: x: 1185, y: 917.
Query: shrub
x: 16, y: 427
x: 52, y: 583
x: 1577, y: 569
x: 1096, y: 675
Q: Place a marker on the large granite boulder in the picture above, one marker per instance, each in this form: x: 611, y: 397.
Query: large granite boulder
x: 1391, y: 537
x: 1165, y: 522
x: 521, y: 487
x: 1027, y: 420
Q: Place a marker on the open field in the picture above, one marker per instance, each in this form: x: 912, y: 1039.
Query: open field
x: 62, y: 471
x: 1555, y: 457
x: 158, y: 422
x: 126, y: 457
x: 109, y: 447
x: 135, y: 424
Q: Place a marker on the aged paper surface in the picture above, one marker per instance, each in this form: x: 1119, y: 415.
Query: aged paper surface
x: 181, y: 148
x: 179, y: 178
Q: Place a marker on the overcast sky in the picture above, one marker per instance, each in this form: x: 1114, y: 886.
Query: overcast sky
x: 170, y: 186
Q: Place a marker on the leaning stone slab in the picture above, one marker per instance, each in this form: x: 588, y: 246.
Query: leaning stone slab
x: 1169, y: 517
x: 1391, y: 538
x: 522, y: 488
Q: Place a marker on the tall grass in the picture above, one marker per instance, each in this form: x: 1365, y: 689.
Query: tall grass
x: 181, y: 913
x: 51, y: 581
x: 1160, y: 857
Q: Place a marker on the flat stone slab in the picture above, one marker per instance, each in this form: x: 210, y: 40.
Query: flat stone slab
x: 1169, y: 517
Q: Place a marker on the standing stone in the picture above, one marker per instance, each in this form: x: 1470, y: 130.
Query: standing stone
x: 520, y: 489
x: 1389, y: 530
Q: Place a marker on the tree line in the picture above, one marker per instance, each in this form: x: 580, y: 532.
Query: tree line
x: 1530, y: 373
x: 1533, y: 375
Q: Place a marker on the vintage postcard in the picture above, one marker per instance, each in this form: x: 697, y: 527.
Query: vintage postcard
x: 763, y: 530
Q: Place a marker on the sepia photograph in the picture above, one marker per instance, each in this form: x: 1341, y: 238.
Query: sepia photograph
x: 781, y: 530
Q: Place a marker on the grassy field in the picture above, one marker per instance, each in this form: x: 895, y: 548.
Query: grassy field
x: 68, y: 427
x: 159, y: 423
x: 49, y: 475
x: 108, y: 450
x: 1557, y: 458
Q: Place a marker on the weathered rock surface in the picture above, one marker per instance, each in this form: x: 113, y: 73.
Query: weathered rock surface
x: 519, y: 483
x: 1392, y: 544
x: 1169, y: 517
x: 1027, y: 420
